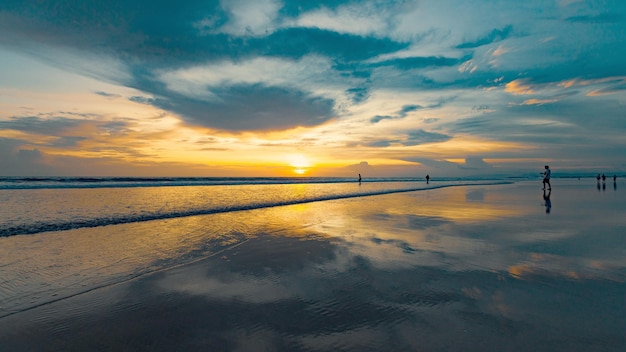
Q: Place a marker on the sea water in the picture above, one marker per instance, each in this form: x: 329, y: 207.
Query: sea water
x: 63, y: 236
x: 484, y: 266
x: 36, y: 205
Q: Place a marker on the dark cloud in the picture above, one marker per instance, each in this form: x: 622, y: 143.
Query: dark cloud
x: 411, y: 63
x: 298, y: 42
x: 443, y: 165
x: 15, y: 160
x: 475, y: 163
x: 56, y: 124
x: 107, y: 95
x: 399, y: 115
x: 420, y: 136
x: 406, y: 109
x: 410, y: 138
x: 35, y: 124
x: 358, y: 95
x: 29, y: 155
x: 67, y: 141
x: 606, y: 17
x: 167, y: 34
x: 381, y: 143
x: 378, y: 118
x: 495, y: 35
x: 248, y: 107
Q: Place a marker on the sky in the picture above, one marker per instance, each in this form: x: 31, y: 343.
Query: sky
x: 450, y: 88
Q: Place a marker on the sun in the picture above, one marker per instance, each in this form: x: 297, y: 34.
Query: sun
x: 300, y: 163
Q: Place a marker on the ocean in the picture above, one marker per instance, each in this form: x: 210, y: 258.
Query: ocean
x: 312, y: 264
x: 32, y: 205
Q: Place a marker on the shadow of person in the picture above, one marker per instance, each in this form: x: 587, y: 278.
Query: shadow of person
x: 548, y: 202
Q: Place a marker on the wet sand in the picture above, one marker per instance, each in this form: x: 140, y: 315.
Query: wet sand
x: 466, y: 268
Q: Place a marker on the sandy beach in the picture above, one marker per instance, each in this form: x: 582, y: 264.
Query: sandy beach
x: 468, y: 268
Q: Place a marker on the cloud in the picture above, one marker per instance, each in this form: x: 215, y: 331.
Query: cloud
x: 248, y: 108
x: 36, y: 124
x: 107, y: 95
x: 247, y: 17
x: 409, y: 138
x: 363, y: 19
x: 538, y: 101
x: 518, y: 87
x: 296, y: 43
x: 378, y: 118
x: 475, y: 163
x: 495, y: 35
x: 420, y: 136
x: 610, y: 89
x: 411, y: 63
x: 406, y: 109
x: 606, y: 17
x: 358, y: 94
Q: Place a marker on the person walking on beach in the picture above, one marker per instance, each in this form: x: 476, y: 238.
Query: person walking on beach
x: 546, y: 178
x: 359, y: 178
x: 427, y: 178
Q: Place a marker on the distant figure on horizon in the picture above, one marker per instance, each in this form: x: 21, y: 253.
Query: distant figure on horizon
x: 427, y: 179
x: 598, y: 178
x: 614, y: 178
x: 548, y: 202
x: 546, y: 178
x: 359, y: 178
x: 603, y: 178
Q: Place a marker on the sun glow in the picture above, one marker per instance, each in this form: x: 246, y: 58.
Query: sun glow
x: 300, y: 163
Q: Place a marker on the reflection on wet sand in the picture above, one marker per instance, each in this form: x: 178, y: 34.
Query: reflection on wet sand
x: 478, y: 267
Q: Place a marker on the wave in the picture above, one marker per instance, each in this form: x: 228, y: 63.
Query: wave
x: 116, y: 182
x: 38, y: 227
x: 119, y: 182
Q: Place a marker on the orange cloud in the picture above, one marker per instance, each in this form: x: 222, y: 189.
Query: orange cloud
x: 538, y: 101
x: 518, y: 87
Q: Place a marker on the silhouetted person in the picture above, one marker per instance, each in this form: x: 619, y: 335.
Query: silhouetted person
x: 427, y: 179
x: 548, y: 202
x: 598, y: 178
x: 603, y: 178
x: 546, y: 178
x: 359, y: 178
x: 614, y: 178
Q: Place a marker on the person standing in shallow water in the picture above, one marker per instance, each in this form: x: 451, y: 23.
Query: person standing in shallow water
x: 546, y: 178
x: 427, y: 178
